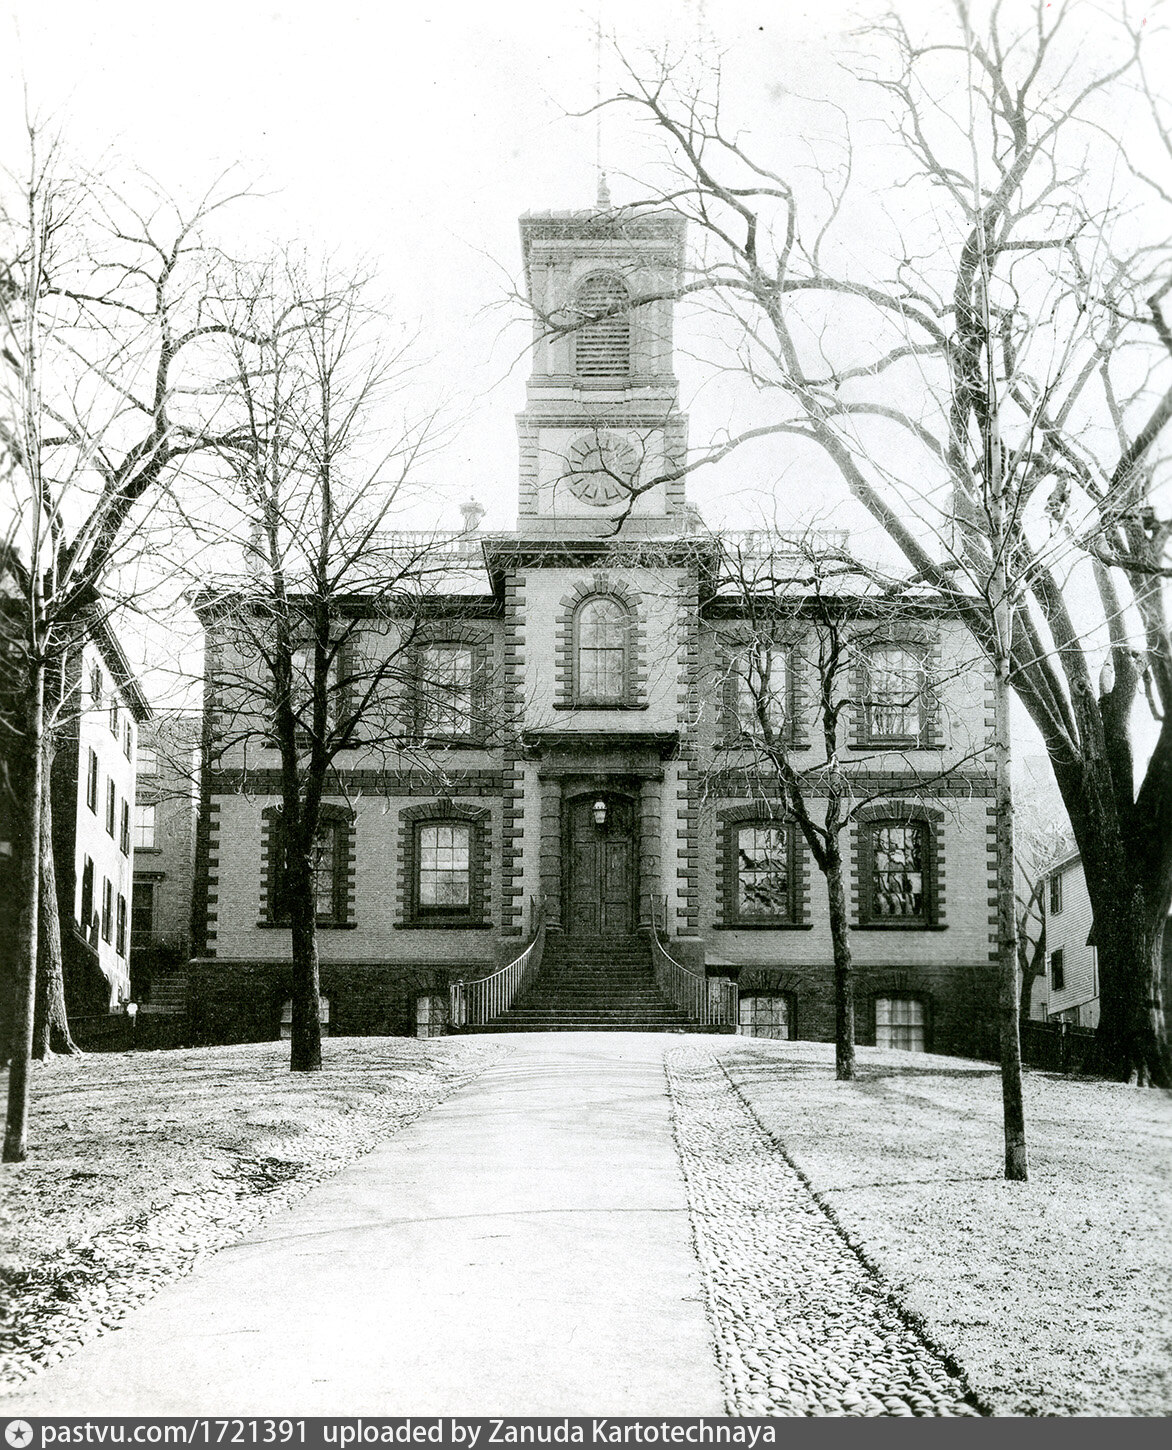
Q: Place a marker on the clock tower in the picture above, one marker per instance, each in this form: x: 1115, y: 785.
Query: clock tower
x: 601, y: 426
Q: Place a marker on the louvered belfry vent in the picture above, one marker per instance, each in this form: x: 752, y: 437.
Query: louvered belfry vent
x: 602, y: 349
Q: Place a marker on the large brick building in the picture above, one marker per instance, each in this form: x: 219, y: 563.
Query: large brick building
x: 592, y: 752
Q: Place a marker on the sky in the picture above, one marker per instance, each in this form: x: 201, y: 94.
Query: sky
x: 412, y: 136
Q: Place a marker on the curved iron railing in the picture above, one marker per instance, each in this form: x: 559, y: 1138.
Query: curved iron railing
x: 710, y: 1000
x: 472, y: 1004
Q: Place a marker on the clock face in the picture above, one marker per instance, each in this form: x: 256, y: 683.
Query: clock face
x: 600, y: 468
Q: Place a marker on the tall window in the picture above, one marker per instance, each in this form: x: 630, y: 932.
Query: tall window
x: 87, y: 896
x: 601, y: 629
x: 124, y: 838
x: 898, y: 885
x: 111, y: 807
x: 115, y: 716
x: 1058, y: 970
x: 127, y: 739
x: 91, y: 782
x: 602, y: 348
x: 895, y: 694
x: 444, y: 866
x: 148, y: 761
x: 763, y: 887
x: 761, y: 678
x: 329, y: 866
x: 1056, y: 894
x: 144, y: 828
x: 899, y: 1022
x: 96, y: 691
x: 446, y: 682
x: 142, y: 912
x: 120, y: 935
x: 107, y: 909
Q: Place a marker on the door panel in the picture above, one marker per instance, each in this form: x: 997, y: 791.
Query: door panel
x: 601, y: 860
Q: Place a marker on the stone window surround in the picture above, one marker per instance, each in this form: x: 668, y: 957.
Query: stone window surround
x: 768, y: 813
x: 341, y: 820
x: 480, y: 643
x: 918, y: 640
x: 899, y: 812
x: 566, y: 645
x: 732, y: 735
x: 477, y: 916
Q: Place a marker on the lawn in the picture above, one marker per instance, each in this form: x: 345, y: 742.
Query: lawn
x: 141, y: 1163
x: 1055, y: 1296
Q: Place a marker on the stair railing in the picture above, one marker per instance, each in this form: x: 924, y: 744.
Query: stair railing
x: 710, y: 1000
x: 472, y: 1004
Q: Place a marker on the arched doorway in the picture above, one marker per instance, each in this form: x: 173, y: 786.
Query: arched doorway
x: 601, y: 874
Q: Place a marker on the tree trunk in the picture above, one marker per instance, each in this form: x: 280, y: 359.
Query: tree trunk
x: 50, y: 1023
x: 16, y: 1127
x: 305, y: 1047
x: 844, y: 985
x: 1129, y: 930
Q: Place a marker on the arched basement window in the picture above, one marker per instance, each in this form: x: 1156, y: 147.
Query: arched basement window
x: 602, y: 349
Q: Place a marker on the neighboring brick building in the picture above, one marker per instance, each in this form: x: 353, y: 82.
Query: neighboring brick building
x: 92, y: 787
x: 165, y: 815
x: 595, y: 757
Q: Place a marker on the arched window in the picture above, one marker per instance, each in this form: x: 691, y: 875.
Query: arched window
x: 602, y: 348
x: 601, y: 640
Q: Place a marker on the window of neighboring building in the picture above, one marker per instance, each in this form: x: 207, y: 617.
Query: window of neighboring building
x: 445, y: 680
x: 91, y: 782
x: 900, y: 1022
x: 765, y: 1014
x: 97, y: 693
x: 323, y: 1017
x: 329, y: 866
x: 443, y: 867
x: 127, y: 739
x: 602, y: 348
x: 1056, y: 894
x: 144, y: 828
x: 120, y: 936
x: 763, y: 888
x: 124, y: 838
x: 111, y: 807
x: 896, y: 882
x: 895, y: 694
x: 601, y: 642
x: 107, y: 909
x: 114, y: 716
x: 761, y: 682
x: 148, y: 761
x: 142, y: 912
x: 87, y: 896
x: 1058, y: 970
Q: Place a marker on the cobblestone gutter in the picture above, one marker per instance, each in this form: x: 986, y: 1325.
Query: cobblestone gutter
x: 802, y: 1326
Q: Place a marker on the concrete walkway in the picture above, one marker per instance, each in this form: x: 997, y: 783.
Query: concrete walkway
x: 524, y: 1249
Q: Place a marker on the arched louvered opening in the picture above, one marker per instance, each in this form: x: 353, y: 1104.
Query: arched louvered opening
x: 602, y: 349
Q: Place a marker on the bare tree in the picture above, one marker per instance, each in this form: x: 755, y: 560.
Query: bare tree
x: 1008, y: 306
x: 107, y: 387
x: 317, y: 647
x: 807, y: 610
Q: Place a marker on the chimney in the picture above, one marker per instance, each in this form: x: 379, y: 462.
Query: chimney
x: 473, y: 513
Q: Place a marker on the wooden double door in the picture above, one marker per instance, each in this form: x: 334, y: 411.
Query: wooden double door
x: 601, y: 865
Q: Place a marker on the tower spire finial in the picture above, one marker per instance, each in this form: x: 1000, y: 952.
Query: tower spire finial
x: 603, y: 202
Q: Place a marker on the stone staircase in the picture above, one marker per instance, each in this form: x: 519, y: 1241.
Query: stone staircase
x: 168, y: 995
x: 595, y: 984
